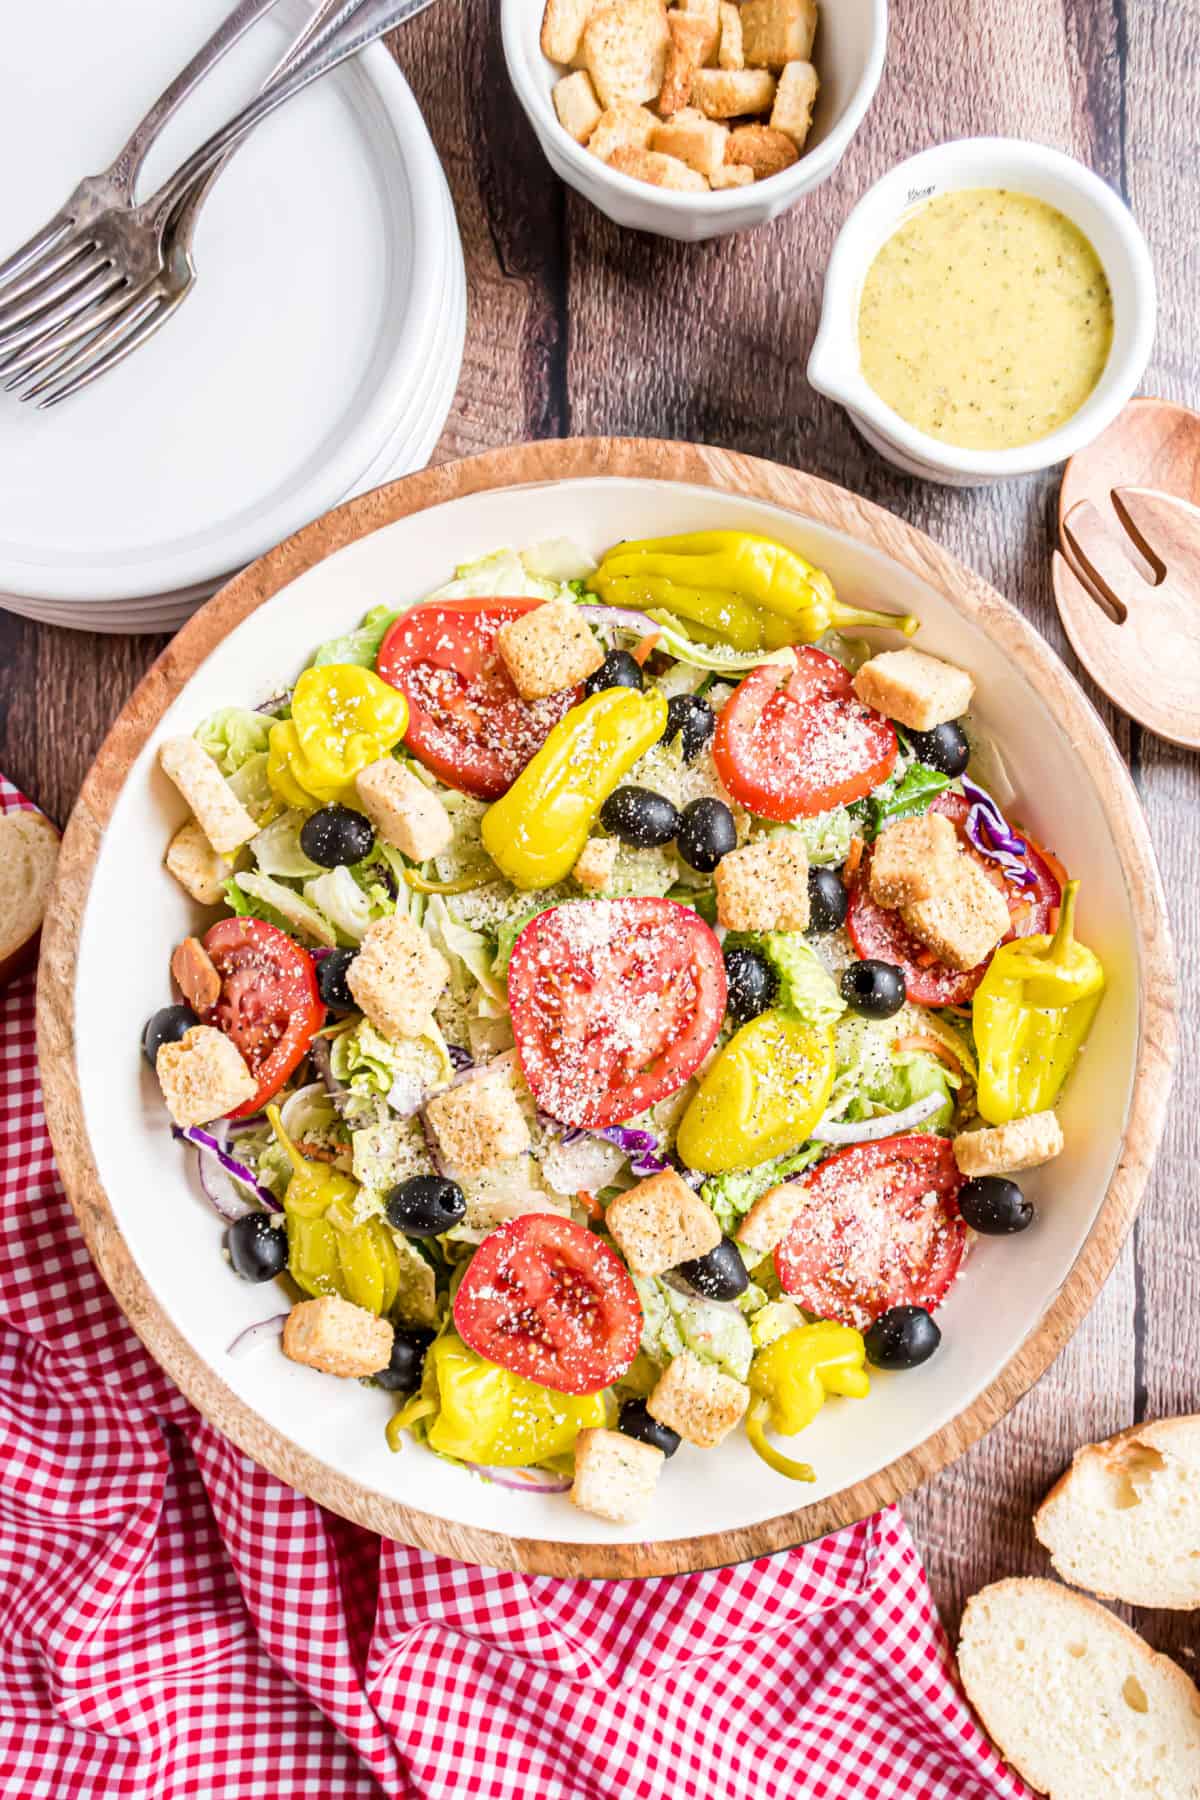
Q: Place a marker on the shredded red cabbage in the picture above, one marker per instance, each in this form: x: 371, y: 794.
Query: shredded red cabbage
x: 460, y: 1058
x: 640, y: 1146
x: 993, y: 836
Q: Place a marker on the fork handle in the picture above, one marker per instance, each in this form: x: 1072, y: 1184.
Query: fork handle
x: 369, y: 20
x: 127, y: 164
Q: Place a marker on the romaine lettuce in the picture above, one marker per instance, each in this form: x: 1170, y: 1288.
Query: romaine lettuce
x: 361, y: 645
x: 233, y: 735
x: 731, y: 1196
x: 806, y: 988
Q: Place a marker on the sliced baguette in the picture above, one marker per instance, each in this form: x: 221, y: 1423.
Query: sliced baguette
x: 28, y: 858
x: 1124, y: 1521
x: 1078, y: 1704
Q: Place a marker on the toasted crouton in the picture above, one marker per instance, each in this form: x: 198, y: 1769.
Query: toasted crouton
x: 730, y: 54
x: 615, y: 1475
x: 562, y: 28
x: 397, y: 976
x: 764, y: 886
x: 759, y: 148
x: 219, y: 813
x: 337, y: 1337
x: 920, y: 691
x: 196, y: 866
x: 576, y: 104
x: 775, y: 32
x: 622, y: 124
x: 727, y: 93
x: 963, y: 919
x: 1005, y: 1149
x: 203, y: 1076
x: 731, y: 175
x: 625, y: 49
x: 677, y: 75
x: 478, y: 1123
x: 404, y: 812
x: 911, y: 859
x: 694, y: 140
x: 709, y: 12
x: 795, y: 98
x: 661, y: 1223
x: 696, y: 1400
x: 548, y: 649
x: 692, y: 34
x: 771, y: 1217
x: 595, y: 865
x: 660, y: 171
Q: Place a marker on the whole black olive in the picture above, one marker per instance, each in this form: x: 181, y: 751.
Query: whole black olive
x: 875, y: 989
x: 753, y: 983
x: 636, y: 1421
x: 694, y: 721
x: 426, y: 1205
x: 331, y: 980
x: 827, y: 900
x: 901, y: 1338
x: 943, y: 748
x: 407, y: 1363
x: 258, y: 1249
x: 995, y: 1206
x: 618, y: 669
x: 706, y: 833
x: 720, y: 1275
x: 337, y: 836
x: 166, y: 1026
x: 639, y: 817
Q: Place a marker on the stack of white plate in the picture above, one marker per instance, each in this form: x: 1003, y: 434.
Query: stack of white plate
x: 317, y: 355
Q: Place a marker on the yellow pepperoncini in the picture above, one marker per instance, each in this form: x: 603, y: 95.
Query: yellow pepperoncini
x: 482, y: 1413
x: 343, y: 717
x: 761, y: 1097
x: 791, y: 1379
x: 535, y: 832
x: 330, y: 1250
x: 1031, y: 1013
x: 753, y: 592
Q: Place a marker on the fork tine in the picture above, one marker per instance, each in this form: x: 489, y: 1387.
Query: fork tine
x: 41, y: 300
x: 51, y: 331
x: 56, y: 258
x: 39, y: 245
x: 141, y: 318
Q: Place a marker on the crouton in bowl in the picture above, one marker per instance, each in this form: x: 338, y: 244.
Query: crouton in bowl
x: 699, y: 118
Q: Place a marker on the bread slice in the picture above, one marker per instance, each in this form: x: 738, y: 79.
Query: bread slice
x: 28, y: 858
x: 1124, y: 1521
x: 1078, y: 1704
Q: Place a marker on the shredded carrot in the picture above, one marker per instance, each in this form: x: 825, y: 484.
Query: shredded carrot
x: 590, y: 1204
x: 1021, y: 916
x: 932, y: 1047
x: 642, y: 650
x: 316, y: 1152
x: 1056, y: 868
x: 853, y: 860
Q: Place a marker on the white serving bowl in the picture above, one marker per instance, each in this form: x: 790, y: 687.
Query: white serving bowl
x: 849, y: 52
x: 835, y: 365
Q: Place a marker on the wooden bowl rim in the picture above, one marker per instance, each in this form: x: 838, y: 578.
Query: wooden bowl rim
x: 551, y: 461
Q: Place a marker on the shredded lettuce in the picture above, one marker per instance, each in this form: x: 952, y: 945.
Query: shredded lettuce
x: 252, y: 788
x: 731, y: 1196
x: 339, y: 898
x: 398, y: 1070
x: 558, y: 559
x: 826, y: 836
x: 233, y: 735
x: 276, y: 850
x: 674, y: 639
x: 470, y: 956
x: 873, y: 1078
x: 806, y: 988
x: 510, y: 931
x: 361, y: 645
x: 675, y: 1322
x: 500, y: 573
x: 269, y: 899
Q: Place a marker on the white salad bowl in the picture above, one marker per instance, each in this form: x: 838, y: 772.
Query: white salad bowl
x: 134, y: 1189
x: 849, y: 54
x: 835, y: 364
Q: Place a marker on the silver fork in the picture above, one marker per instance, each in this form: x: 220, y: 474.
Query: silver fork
x: 37, y: 358
x: 135, y: 241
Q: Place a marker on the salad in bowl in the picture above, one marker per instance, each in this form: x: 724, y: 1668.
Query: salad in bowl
x: 627, y: 1001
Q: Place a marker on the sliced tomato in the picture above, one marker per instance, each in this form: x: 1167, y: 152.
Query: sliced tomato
x: 268, y: 1005
x: 877, y: 931
x: 788, y: 746
x: 546, y: 1299
x: 467, y: 722
x: 880, y: 1228
x: 614, y: 1004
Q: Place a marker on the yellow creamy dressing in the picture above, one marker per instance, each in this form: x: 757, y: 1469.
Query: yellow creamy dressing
x: 986, y: 319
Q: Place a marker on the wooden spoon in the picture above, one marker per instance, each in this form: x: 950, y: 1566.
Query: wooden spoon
x: 1127, y: 577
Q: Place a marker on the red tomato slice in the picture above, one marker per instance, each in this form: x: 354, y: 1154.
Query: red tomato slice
x: 876, y: 931
x: 269, y: 1004
x: 467, y: 722
x: 614, y: 1004
x: 881, y: 1228
x: 545, y: 1298
x: 788, y: 746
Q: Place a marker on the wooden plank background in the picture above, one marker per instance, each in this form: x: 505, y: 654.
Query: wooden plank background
x: 576, y: 327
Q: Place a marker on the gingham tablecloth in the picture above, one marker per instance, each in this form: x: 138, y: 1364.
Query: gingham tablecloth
x: 176, y: 1622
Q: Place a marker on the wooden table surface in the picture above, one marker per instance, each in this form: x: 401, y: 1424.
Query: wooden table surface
x: 578, y: 328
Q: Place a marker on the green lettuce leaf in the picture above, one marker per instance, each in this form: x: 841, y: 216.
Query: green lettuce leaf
x: 826, y: 836
x: 914, y: 792
x: 872, y: 1078
x: 731, y: 1196
x: 262, y: 897
x: 233, y: 735
x: 675, y: 1322
x: 806, y: 988
x: 361, y: 645
x: 374, y: 1067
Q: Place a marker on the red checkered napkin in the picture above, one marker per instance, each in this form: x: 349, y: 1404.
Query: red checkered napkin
x: 179, y: 1623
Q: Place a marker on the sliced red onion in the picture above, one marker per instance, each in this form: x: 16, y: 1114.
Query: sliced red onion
x: 868, y: 1131
x: 255, y: 1334
x: 236, y: 1128
x: 275, y: 703
x: 321, y: 952
x: 228, y: 1202
x: 522, y: 1481
x: 585, y: 1164
x: 460, y: 1058
x: 624, y: 616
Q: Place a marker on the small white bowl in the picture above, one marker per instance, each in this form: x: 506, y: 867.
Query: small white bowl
x: 849, y: 52
x: 835, y: 368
